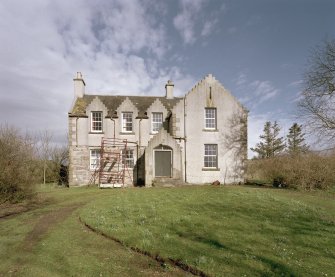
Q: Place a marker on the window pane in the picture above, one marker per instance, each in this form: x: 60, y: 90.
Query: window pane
x: 210, y: 118
x: 128, y: 158
x: 210, y: 157
x: 157, y: 121
x: 96, y: 121
x: 94, y: 159
x: 127, y: 122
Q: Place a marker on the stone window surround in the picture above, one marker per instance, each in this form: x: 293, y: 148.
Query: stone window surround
x: 94, y: 158
x: 210, y: 116
x: 210, y: 157
x: 95, y: 128
x: 156, y: 119
x: 129, y: 159
x: 126, y: 123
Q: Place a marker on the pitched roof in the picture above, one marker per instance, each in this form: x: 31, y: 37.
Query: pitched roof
x: 142, y: 103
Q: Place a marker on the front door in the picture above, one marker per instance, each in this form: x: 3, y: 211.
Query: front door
x: 163, y: 162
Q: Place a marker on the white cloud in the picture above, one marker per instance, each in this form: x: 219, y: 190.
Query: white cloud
x: 208, y: 27
x: 264, y: 90
x: 297, y: 83
x: 119, y: 46
x: 184, y: 22
x: 254, y: 93
x: 187, y: 21
x: 241, y: 79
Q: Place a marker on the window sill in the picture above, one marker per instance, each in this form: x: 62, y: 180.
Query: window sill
x: 210, y: 130
x: 96, y: 133
x: 210, y: 169
x: 127, y: 133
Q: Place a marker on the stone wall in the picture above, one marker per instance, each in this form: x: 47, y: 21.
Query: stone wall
x: 79, y: 167
x: 163, y: 139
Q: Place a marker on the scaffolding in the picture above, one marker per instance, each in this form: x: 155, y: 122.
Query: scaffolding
x: 113, y: 170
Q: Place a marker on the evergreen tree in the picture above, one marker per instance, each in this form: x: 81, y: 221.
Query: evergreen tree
x: 295, y: 140
x: 271, y: 144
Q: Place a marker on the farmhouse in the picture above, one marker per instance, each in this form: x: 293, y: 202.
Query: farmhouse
x: 142, y: 140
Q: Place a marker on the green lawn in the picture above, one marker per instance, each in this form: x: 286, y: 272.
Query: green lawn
x: 231, y: 231
x: 49, y: 240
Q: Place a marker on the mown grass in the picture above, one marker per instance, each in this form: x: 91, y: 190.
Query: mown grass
x: 67, y: 247
x: 225, y: 231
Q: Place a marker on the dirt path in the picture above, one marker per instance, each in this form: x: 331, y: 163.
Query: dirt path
x: 45, y: 223
x: 124, y: 261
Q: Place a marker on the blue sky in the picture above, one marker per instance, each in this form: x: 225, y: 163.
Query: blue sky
x: 257, y: 49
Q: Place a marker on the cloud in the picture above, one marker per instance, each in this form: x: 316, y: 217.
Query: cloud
x: 184, y: 22
x: 119, y: 45
x: 264, y: 90
x: 241, y: 79
x: 189, y: 20
x: 208, y: 27
x: 254, y: 93
x: 297, y: 83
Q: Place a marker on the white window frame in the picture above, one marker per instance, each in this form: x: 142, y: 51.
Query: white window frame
x: 95, y: 155
x: 126, y: 121
x: 95, y: 120
x: 128, y: 158
x: 156, y: 122
x: 211, y: 156
x: 210, y: 118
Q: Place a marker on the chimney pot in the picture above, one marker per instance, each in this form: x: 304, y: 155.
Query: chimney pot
x: 79, y: 86
x: 169, y: 89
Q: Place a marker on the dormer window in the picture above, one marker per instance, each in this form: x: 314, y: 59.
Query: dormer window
x: 156, y: 122
x: 96, y: 122
x: 127, y: 122
x: 210, y: 118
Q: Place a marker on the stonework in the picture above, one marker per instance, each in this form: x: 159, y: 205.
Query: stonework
x: 183, y: 134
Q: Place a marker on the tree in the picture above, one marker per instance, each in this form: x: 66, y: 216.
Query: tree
x: 271, y: 144
x: 45, y: 150
x: 17, y: 164
x: 59, y: 161
x: 295, y: 140
x: 317, y: 104
x: 236, y: 141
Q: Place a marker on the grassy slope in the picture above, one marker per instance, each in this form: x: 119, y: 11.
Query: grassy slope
x: 67, y: 248
x: 225, y: 231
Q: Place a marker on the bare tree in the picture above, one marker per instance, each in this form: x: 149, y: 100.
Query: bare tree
x: 236, y: 141
x: 317, y: 104
x: 44, y: 149
x: 17, y: 164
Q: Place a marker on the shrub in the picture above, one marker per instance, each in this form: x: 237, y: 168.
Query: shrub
x: 17, y: 165
x: 307, y: 171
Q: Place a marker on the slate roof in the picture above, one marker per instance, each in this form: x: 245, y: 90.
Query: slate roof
x: 142, y: 103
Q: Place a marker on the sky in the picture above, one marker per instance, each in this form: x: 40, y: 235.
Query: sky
x: 257, y: 49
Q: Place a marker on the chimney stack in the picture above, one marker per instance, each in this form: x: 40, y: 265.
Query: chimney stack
x: 169, y: 89
x: 79, y: 86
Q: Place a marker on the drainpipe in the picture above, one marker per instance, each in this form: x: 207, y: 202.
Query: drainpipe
x: 113, y: 128
x: 139, y: 132
x: 185, y: 163
x: 138, y: 148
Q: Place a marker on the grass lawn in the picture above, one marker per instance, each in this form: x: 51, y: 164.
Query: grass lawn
x: 232, y: 231
x: 49, y: 240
